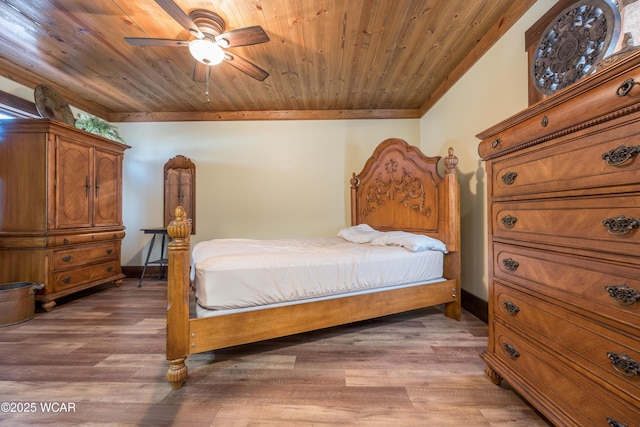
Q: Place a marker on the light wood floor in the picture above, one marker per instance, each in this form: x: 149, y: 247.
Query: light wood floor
x: 98, y: 359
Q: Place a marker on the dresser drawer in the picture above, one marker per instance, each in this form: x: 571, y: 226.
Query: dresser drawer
x: 83, y: 254
x: 71, y: 278
x: 591, y: 163
x: 550, y: 117
x: 609, y: 290
x: 608, y: 223
x: 612, y: 356
x: 587, y: 402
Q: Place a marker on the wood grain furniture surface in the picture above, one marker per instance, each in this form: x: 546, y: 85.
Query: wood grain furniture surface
x: 180, y: 189
x: 563, y: 186
x: 373, y: 200
x: 61, y: 215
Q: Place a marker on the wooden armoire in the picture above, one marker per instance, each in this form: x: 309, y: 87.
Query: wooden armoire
x: 61, y: 214
x: 563, y: 187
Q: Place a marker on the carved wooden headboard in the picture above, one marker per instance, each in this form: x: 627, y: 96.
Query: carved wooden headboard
x: 399, y: 188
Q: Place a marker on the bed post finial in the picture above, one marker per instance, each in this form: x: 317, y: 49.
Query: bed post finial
x: 179, y: 226
x: 354, y: 181
x: 178, y: 298
x: 450, y: 162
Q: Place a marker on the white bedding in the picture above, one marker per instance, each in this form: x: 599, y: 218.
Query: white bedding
x: 239, y: 273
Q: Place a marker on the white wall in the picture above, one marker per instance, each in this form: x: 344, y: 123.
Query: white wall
x: 262, y: 179
x: 493, y: 90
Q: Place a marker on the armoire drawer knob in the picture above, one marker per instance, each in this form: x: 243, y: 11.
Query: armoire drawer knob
x: 109, y: 251
x: 623, y: 294
x: 511, y: 351
x: 66, y: 279
x: 509, y: 221
x: 621, y: 225
x: 624, y: 364
x: 510, y: 308
x: 509, y: 177
x: 66, y: 258
x: 510, y: 264
x: 621, y: 154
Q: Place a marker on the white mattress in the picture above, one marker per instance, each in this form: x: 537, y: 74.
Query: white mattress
x: 240, y: 273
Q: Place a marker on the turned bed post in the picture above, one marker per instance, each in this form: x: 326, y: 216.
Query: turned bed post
x: 452, y: 231
x: 178, y: 298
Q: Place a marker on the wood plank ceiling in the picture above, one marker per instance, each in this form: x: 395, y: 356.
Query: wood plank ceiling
x: 327, y: 59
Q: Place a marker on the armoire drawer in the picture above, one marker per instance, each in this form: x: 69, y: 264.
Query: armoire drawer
x: 83, y: 254
x: 94, y: 237
x: 607, y: 158
x: 75, y: 277
x: 604, y: 352
x: 610, y: 290
x: 610, y: 223
x: 587, y: 402
x: 547, y: 118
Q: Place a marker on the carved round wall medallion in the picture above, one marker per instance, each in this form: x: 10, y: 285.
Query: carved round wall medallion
x: 573, y: 43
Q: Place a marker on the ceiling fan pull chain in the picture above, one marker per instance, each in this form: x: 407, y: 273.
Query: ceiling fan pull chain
x: 206, y: 91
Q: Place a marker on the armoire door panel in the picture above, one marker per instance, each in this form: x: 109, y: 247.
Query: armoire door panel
x: 106, y: 205
x: 74, y: 183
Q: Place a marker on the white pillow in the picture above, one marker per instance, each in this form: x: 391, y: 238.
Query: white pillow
x: 362, y: 233
x: 410, y: 241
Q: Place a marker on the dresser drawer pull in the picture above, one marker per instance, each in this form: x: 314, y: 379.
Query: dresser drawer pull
x: 66, y: 279
x: 66, y: 258
x: 510, y: 308
x: 621, y: 225
x: 109, y: 269
x: 509, y: 177
x: 621, y: 154
x: 624, y: 364
x: 509, y: 221
x: 109, y: 251
x: 510, y: 264
x: 614, y: 423
x: 623, y: 294
x: 511, y: 351
x: 625, y: 87
x: 495, y: 143
x: 544, y: 122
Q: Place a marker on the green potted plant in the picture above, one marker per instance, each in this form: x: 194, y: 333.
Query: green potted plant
x: 98, y: 126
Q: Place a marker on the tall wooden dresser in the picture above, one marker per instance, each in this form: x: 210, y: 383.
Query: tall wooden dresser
x: 61, y: 213
x: 563, y: 186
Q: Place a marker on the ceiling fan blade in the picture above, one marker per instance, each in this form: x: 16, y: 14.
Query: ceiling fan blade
x: 155, y: 42
x: 180, y: 17
x: 249, y: 68
x: 243, y: 37
x: 200, y: 72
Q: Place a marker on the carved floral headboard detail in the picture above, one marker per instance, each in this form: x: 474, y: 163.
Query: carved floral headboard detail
x: 406, y: 189
x: 399, y: 188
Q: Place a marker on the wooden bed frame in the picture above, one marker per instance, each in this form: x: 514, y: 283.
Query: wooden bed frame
x: 399, y: 188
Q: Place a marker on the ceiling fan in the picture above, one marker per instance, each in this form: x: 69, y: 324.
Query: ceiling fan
x: 210, y: 42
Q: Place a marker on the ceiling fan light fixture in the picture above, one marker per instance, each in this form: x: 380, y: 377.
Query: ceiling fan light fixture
x: 206, y: 51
